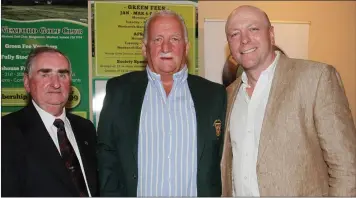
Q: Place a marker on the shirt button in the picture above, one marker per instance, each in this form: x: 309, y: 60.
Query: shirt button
x: 246, y: 154
x: 245, y: 177
x: 169, y: 157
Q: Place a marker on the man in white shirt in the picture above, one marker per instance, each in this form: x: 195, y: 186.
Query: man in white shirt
x: 46, y: 151
x: 289, y: 129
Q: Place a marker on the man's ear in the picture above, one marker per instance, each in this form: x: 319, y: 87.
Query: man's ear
x: 26, y: 82
x: 144, y: 52
x: 271, y: 35
x: 187, y: 47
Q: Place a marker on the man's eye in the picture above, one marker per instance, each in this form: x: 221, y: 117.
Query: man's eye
x: 234, y: 34
x: 254, y: 29
x: 62, y: 75
x: 44, y: 74
x: 157, y: 40
x: 175, y: 39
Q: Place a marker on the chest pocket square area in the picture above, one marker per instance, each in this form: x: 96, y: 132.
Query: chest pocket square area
x: 217, y: 125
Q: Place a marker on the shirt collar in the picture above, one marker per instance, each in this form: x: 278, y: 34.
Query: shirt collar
x: 178, y: 77
x: 269, y: 71
x: 48, y: 118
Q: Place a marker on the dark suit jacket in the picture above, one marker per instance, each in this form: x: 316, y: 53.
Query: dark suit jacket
x: 30, y: 162
x: 118, y: 134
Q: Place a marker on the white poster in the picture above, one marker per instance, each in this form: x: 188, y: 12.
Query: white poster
x: 291, y: 37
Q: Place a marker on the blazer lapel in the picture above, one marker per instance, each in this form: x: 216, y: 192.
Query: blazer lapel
x: 200, y: 106
x: 135, y: 100
x: 43, y: 147
x: 232, y: 93
x: 226, y: 161
x: 82, y: 147
x: 283, y: 72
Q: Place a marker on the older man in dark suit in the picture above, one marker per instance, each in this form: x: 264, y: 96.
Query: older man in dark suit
x: 46, y: 151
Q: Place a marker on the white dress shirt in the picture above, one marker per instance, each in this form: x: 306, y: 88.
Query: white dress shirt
x: 48, y: 120
x: 245, y: 129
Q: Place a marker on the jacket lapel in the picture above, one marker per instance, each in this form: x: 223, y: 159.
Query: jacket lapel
x: 43, y: 147
x: 135, y: 100
x: 82, y: 142
x: 226, y: 161
x: 232, y: 93
x: 283, y: 73
x: 200, y: 106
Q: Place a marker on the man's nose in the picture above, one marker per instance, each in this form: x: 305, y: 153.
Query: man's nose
x: 166, y: 46
x: 55, y: 81
x: 245, y: 38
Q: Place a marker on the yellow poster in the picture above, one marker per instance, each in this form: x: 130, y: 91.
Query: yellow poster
x: 119, y: 32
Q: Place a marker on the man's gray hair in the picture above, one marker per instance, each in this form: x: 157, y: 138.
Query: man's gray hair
x: 165, y: 13
x: 40, y: 50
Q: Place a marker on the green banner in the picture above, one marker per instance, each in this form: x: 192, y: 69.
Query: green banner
x: 19, y: 37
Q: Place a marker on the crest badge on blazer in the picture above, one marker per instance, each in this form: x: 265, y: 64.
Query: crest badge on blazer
x: 217, y: 125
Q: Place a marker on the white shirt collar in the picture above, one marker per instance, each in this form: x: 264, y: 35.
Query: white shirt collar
x: 48, y: 118
x: 180, y: 76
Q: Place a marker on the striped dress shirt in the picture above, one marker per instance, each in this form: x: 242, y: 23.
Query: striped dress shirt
x: 167, y: 149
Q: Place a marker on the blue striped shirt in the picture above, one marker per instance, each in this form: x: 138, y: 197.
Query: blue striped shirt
x: 167, y: 149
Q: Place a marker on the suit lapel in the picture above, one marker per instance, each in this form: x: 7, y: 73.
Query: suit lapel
x: 232, y: 93
x: 135, y: 100
x: 283, y: 74
x: 201, y: 118
x: 43, y: 147
x: 226, y: 161
x: 82, y: 142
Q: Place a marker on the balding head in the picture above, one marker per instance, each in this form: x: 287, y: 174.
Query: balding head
x: 251, y: 38
x: 247, y: 9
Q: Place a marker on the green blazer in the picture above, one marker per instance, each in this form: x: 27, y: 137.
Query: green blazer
x: 119, y: 127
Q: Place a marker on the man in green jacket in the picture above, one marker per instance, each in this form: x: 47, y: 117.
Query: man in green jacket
x: 160, y: 130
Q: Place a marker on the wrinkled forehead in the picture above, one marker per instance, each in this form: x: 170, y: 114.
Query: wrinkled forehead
x: 165, y: 22
x: 50, y: 60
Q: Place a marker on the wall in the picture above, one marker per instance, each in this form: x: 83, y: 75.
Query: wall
x: 332, y: 32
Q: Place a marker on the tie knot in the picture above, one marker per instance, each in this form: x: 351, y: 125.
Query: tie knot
x: 58, y: 123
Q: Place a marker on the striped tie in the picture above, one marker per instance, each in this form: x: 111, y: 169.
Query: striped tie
x: 70, y: 159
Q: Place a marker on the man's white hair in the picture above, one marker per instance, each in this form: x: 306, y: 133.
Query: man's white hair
x: 164, y: 13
